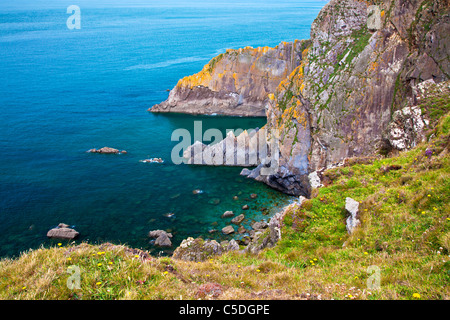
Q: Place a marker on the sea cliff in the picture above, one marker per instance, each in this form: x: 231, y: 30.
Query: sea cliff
x: 236, y: 82
x: 333, y: 96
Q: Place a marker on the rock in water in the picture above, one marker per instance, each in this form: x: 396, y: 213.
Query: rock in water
x: 162, y: 238
x: 163, y: 241
x: 352, y: 207
x: 238, y: 219
x: 245, y: 172
x: 227, y: 214
x: 107, y: 150
x: 63, y: 232
x: 228, y: 230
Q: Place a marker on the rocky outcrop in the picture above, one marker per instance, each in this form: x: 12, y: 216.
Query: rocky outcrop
x: 406, y: 129
x: 247, y: 149
x: 199, y: 249
x: 352, y: 208
x: 234, y: 83
x: 352, y: 89
x: 340, y: 101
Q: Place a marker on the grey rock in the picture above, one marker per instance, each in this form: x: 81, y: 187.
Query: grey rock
x: 227, y: 214
x: 352, y: 207
x: 228, y: 230
x: 238, y: 219
x: 245, y: 172
x: 63, y: 233
x: 158, y: 233
x: 232, y: 245
x: 260, y: 225
x: 163, y: 240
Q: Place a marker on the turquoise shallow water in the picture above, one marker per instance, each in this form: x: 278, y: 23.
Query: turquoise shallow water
x: 66, y: 91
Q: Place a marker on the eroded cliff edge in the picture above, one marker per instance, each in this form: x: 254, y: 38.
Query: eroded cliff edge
x: 337, y: 96
x: 236, y: 82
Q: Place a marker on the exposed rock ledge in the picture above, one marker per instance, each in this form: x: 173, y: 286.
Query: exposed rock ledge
x: 235, y: 83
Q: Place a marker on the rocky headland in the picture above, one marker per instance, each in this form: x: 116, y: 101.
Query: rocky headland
x: 235, y: 83
x: 351, y: 90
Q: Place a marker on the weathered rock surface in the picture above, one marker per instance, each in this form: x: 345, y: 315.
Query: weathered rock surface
x: 198, y: 249
x: 352, y: 207
x: 338, y: 103
x: 406, y: 129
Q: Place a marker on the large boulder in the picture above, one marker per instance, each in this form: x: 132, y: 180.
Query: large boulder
x: 228, y: 230
x: 407, y: 128
x: 352, y: 207
x: 162, y: 238
x: 62, y: 231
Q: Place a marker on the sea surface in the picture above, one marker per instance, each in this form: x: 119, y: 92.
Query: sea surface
x: 64, y: 91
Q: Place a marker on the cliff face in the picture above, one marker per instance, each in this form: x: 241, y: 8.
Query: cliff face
x: 363, y: 64
x: 234, y: 83
x: 337, y: 98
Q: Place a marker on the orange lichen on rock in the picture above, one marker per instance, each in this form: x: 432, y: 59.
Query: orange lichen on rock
x: 203, y: 78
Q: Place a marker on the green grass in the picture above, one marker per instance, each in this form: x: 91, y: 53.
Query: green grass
x: 404, y: 233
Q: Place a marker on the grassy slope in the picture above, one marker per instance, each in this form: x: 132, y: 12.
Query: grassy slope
x: 405, y: 232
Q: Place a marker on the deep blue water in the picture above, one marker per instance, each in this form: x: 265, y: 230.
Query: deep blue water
x: 64, y: 91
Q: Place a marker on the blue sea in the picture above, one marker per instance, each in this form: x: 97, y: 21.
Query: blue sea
x: 64, y: 91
